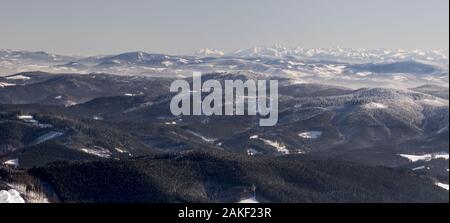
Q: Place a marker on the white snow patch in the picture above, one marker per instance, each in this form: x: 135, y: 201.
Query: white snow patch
x: 311, y: 134
x: 25, y: 117
x: 425, y: 157
x: 374, y: 105
x: 120, y: 150
x: 58, y: 97
x: 48, y: 136
x: 249, y: 201
x: 281, y: 148
x: 167, y: 63
x: 31, y: 196
x: 251, y: 152
x: 3, y: 84
x: 11, y: 196
x: 435, y: 102
x: 364, y: 74
x: 123, y: 151
x: 442, y: 130
x: 18, y: 77
x: 442, y: 185
x: 418, y: 168
x: 30, y: 119
x: 254, y: 137
x: 100, y: 152
x: 170, y: 123
x: 209, y: 140
x: 13, y: 162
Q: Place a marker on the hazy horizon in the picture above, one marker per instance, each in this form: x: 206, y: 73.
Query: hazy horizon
x: 174, y: 27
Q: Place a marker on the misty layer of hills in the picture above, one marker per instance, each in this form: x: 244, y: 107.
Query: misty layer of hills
x: 353, y: 127
x: 346, y: 67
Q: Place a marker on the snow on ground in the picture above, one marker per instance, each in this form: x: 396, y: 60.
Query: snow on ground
x: 208, y: 140
x: 374, y: 105
x: 167, y: 63
x: 425, y: 157
x: 3, y: 84
x: 123, y: 151
x: 442, y: 130
x: 251, y: 152
x: 435, y: 102
x: 120, y: 150
x: 10, y: 196
x: 30, y: 119
x: 13, y: 162
x: 311, y: 134
x: 445, y: 186
x: 58, y: 97
x: 249, y: 201
x: 254, y: 137
x: 48, y: 136
x: 30, y: 196
x: 418, y: 168
x: 281, y: 148
x: 26, y: 117
x: 170, y: 123
x: 100, y: 152
x: 18, y: 77
x: 364, y: 74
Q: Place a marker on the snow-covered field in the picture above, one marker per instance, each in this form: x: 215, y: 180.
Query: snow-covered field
x: 425, y: 157
x: 10, y: 196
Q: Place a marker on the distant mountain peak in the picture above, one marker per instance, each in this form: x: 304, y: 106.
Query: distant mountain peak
x: 206, y: 52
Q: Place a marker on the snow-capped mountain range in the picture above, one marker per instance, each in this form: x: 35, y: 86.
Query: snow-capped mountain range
x: 339, y: 66
x: 344, y: 54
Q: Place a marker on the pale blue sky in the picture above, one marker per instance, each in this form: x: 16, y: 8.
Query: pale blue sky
x: 182, y: 26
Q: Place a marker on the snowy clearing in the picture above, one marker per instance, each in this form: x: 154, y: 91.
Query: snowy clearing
x: 249, y: 201
x: 18, y: 77
x: 100, y: 152
x: 311, y: 134
x: 3, y: 84
x: 11, y: 196
x: 13, y: 162
x: 425, y: 157
x: 281, y: 148
x: 445, y: 186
